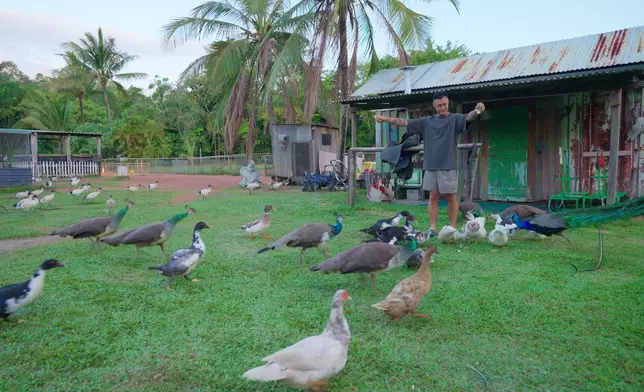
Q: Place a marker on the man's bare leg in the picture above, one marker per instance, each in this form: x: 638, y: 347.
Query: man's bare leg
x: 432, y: 208
x: 452, y: 208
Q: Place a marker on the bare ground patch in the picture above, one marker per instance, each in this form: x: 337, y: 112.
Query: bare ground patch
x: 14, y: 244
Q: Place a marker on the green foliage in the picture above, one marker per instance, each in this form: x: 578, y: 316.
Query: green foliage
x: 11, y: 95
x: 100, y: 56
x: 82, y: 145
x: 140, y: 133
x: 45, y: 110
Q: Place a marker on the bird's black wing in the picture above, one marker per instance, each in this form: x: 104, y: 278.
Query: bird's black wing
x: 14, y: 290
x: 549, y: 221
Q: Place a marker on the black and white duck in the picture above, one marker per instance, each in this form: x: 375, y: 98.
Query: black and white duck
x: 17, y: 295
x: 390, y: 232
x: 383, y: 223
x: 184, y: 261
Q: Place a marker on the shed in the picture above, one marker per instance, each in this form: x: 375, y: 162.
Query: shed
x: 554, y: 109
x: 296, y: 148
x: 20, y: 162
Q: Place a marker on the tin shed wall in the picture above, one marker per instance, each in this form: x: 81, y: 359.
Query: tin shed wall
x: 282, y: 157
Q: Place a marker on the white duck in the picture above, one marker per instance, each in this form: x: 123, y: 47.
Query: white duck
x: 260, y: 225
x: 310, y: 362
x: 474, y: 228
x: 252, y: 186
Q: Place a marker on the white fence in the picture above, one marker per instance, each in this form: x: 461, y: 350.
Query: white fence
x: 66, y: 169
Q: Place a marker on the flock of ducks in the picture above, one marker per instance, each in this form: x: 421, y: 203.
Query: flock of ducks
x: 312, y: 361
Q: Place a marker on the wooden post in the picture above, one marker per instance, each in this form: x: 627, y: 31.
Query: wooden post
x: 67, y: 147
x: 352, y: 159
x: 613, y: 160
x: 99, y: 149
x: 34, y: 154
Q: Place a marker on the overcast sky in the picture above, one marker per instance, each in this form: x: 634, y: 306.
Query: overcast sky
x: 31, y: 31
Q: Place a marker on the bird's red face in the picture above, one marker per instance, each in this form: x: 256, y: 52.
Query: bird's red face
x: 474, y: 226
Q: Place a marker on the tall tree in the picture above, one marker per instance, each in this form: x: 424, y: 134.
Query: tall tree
x: 74, y: 81
x: 349, y: 25
x: 45, y: 110
x: 241, y: 66
x: 100, y: 56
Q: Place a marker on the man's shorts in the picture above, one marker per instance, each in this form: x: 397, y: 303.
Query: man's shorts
x: 446, y: 181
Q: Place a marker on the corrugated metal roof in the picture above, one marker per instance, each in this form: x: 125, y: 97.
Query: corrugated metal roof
x: 604, y: 50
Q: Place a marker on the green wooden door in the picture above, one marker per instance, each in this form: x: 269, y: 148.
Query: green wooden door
x: 508, y: 154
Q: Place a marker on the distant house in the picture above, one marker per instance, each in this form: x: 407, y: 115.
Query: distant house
x: 553, y: 108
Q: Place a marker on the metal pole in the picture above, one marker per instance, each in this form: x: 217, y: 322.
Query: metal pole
x: 613, y: 160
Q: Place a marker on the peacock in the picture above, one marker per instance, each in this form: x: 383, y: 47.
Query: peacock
x: 557, y: 223
x: 95, y: 227
x: 369, y: 258
x: 312, y: 235
x: 152, y: 234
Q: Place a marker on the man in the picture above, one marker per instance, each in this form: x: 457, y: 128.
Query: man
x: 440, y: 134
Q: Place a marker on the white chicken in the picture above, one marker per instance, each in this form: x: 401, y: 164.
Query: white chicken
x: 133, y: 188
x: 153, y: 185
x: 310, y: 362
x: 74, y: 181
x: 474, y: 228
x: 448, y: 234
x: 252, y: 186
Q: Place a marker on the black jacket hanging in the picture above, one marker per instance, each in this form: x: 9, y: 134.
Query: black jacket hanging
x: 399, y: 159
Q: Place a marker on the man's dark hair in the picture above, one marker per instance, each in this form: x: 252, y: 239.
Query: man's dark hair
x: 439, y: 95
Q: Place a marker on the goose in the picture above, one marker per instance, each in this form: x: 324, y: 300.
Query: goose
x: 184, y: 261
x: 93, y: 195
x: 47, y: 199
x: 17, y: 295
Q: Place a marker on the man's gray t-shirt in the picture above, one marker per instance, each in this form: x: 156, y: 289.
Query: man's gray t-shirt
x: 440, y: 136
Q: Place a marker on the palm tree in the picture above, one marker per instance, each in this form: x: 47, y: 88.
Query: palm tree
x: 100, y: 56
x: 348, y: 24
x: 238, y: 64
x: 75, y: 81
x: 46, y: 111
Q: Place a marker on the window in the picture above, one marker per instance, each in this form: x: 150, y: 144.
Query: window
x: 326, y: 139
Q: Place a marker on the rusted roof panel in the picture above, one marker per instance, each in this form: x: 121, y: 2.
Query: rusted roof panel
x: 604, y: 50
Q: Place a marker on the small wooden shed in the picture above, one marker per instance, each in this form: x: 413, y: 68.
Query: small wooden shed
x: 296, y: 148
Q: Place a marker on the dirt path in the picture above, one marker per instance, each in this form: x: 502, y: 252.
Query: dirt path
x: 182, y: 182
x: 13, y: 244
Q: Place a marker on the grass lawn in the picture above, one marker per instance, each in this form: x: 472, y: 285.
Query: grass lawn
x: 520, y: 316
